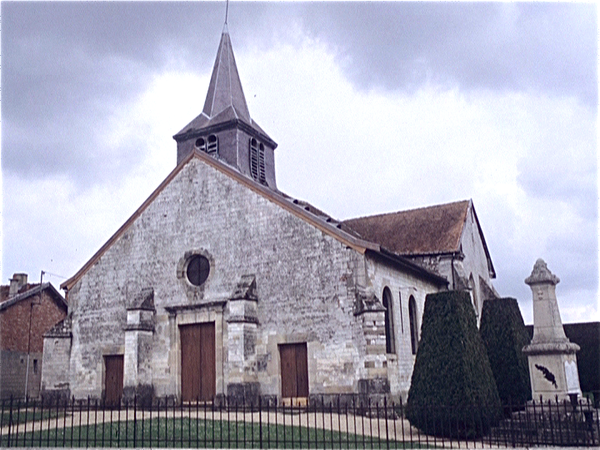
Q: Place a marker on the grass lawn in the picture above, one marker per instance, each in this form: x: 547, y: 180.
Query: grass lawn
x: 29, y: 415
x: 192, y: 433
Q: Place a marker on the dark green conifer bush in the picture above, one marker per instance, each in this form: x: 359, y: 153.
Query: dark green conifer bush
x: 504, y: 335
x: 452, y: 392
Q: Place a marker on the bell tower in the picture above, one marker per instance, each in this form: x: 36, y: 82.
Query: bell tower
x: 224, y: 128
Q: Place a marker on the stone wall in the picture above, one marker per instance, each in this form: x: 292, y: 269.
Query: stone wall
x: 305, y: 288
x: 475, y: 265
x: 13, y: 370
x: 55, y: 376
x: 402, y: 286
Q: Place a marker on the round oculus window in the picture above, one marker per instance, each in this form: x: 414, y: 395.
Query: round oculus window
x: 198, y: 269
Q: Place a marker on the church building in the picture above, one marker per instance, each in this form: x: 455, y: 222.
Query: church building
x: 220, y: 287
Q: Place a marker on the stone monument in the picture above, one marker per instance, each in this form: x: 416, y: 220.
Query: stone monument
x: 551, y: 356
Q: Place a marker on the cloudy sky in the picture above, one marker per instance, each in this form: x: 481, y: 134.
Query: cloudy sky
x: 376, y: 107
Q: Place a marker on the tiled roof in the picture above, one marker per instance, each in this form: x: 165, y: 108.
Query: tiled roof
x: 431, y: 230
x: 5, y: 290
x: 30, y: 290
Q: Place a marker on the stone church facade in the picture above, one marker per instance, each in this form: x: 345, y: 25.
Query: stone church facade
x: 220, y: 287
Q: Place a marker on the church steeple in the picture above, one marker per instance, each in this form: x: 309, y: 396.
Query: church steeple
x: 225, y: 88
x: 225, y: 128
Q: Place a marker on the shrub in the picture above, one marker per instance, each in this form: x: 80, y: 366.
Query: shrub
x: 452, y: 392
x: 504, y: 335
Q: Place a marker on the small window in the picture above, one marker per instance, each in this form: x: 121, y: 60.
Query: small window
x: 390, y: 344
x: 213, y: 144
x: 35, y: 366
x: 400, y: 308
x: 414, y: 327
x: 197, y: 270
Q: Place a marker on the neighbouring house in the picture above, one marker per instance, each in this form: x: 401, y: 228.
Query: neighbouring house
x: 221, y: 287
x: 27, y: 311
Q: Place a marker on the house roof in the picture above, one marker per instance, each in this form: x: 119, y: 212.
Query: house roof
x: 298, y: 208
x: 225, y: 101
x: 431, y: 230
x: 30, y: 291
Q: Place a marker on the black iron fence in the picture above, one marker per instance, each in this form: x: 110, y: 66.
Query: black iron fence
x: 327, y: 423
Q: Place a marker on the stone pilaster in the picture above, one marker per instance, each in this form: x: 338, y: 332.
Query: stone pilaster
x: 371, y: 313
x: 139, y: 331
x: 551, y: 356
x: 242, y: 326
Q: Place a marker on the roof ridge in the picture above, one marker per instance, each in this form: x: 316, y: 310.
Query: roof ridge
x: 283, y: 200
x: 407, y: 210
x: 30, y: 292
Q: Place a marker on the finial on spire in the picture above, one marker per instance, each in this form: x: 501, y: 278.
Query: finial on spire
x: 226, y: 11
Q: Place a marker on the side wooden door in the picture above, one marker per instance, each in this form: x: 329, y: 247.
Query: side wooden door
x: 294, y: 370
x: 113, y: 379
x: 198, y: 371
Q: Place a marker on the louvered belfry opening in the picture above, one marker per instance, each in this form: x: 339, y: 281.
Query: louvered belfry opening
x: 213, y: 144
x: 208, y: 145
x: 257, y: 160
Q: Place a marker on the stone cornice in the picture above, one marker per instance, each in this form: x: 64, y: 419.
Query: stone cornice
x: 541, y: 274
x: 551, y: 348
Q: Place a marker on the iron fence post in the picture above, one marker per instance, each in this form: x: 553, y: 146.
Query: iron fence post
x: 135, y: 420
x: 260, y: 438
x: 10, y: 412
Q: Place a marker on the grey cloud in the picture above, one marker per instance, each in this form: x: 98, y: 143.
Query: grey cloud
x: 53, y: 117
x: 66, y: 67
x: 560, y: 184
x: 561, y: 168
x: 516, y: 46
x: 577, y: 255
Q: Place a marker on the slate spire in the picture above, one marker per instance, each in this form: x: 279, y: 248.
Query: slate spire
x: 225, y: 88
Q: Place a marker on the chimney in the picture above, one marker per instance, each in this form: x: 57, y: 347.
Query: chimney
x: 16, y: 283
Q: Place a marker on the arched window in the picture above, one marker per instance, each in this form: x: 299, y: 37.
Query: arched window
x: 400, y: 309
x: 414, y: 326
x: 390, y: 345
x: 474, y: 295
